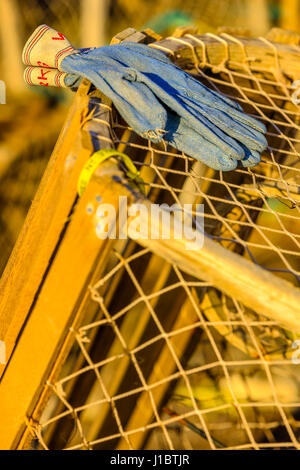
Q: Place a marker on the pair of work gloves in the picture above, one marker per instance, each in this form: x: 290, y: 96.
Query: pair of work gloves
x: 157, y: 99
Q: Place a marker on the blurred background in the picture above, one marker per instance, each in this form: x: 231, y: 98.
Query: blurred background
x: 30, y: 123
x: 32, y: 117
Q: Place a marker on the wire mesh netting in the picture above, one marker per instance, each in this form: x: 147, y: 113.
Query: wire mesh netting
x: 66, y: 16
x: 159, y: 359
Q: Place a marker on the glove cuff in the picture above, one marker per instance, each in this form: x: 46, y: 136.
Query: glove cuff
x: 46, y: 47
x: 44, y: 76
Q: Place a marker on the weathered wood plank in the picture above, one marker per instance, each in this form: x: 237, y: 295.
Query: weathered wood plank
x: 54, y: 310
x: 42, y: 228
x: 234, y: 275
x: 260, y: 55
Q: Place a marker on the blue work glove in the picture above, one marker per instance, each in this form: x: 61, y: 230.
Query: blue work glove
x: 160, y: 101
x: 156, y: 98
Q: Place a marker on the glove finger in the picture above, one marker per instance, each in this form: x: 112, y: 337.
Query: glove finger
x: 215, y: 126
x: 185, y: 139
x: 249, y: 121
x: 212, y: 133
x: 182, y: 137
x: 251, y: 138
x: 198, y: 93
x: 164, y: 67
x: 194, y: 89
x: 203, y: 126
x: 209, y: 130
x: 135, y: 101
x: 237, y: 114
x: 251, y: 159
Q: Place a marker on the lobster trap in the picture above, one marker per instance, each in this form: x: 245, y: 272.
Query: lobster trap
x: 140, y: 343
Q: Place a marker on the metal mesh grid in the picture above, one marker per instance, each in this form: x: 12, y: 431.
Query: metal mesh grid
x: 162, y: 360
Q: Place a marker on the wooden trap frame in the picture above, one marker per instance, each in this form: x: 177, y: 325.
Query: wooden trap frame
x: 132, y: 344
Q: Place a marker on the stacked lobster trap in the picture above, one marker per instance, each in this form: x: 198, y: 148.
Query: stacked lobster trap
x: 139, y: 344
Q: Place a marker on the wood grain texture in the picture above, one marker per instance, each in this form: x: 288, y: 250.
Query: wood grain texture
x: 42, y: 290
x: 234, y: 275
x: 261, y: 55
x: 43, y: 226
x: 52, y: 280
x: 54, y: 310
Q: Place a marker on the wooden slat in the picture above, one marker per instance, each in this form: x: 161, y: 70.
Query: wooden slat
x: 52, y: 280
x: 262, y: 54
x: 234, y: 275
x: 43, y: 226
x: 55, y: 307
